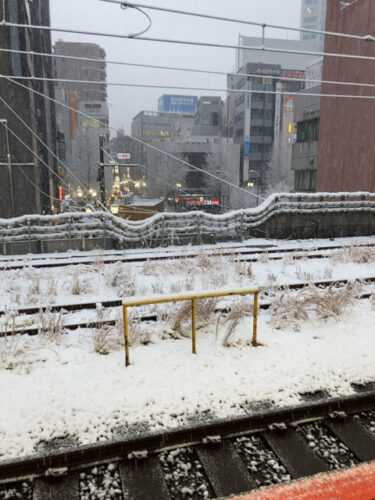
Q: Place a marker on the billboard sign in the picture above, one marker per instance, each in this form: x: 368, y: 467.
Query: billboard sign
x: 178, y: 103
x: 246, y: 150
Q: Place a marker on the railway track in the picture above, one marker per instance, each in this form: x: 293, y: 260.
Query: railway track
x: 208, y: 459
x: 244, y: 253
x: 31, y: 328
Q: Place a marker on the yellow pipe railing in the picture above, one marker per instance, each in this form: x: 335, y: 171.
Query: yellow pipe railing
x: 193, y: 296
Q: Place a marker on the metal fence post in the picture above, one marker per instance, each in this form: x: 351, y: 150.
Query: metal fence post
x: 104, y: 233
x: 29, y: 234
x: 194, y: 326
x: 255, y: 319
x: 126, y: 336
x: 198, y: 230
x: 162, y: 230
x: 70, y: 232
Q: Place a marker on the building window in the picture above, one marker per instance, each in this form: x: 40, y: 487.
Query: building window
x: 308, y: 130
x: 305, y: 180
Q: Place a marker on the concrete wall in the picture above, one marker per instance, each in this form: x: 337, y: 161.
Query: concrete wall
x: 346, y: 137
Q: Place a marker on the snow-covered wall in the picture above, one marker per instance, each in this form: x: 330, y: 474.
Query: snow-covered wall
x: 293, y: 215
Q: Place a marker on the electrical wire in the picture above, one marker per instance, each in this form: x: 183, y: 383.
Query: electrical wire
x: 195, y: 89
x: 21, y: 170
x: 192, y: 42
x: 150, y: 146
x: 52, y: 153
x: 240, y: 21
x: 145, y: 14
x: 36, y: 156
x: 189, y: 70
x: 40, y: 159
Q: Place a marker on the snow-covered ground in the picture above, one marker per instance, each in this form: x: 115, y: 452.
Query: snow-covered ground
x: 56, y: 385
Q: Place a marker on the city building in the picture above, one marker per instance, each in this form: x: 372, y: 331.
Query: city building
x: 259, y: 116
x: 128, y: 172
x: 195, y: 138
x: 313, y: 16
x: 160, y: 126
x: 208, y: 119
x: 81, y: 133
x: 262, y: 122
x: 27, y: 185
x: 305, y: 149
x: 346, y: 135
x: 288, y: 60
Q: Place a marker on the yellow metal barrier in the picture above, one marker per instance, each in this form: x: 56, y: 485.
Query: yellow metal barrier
x: 193, y: 296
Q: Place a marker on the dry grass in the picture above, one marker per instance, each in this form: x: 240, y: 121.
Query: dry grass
x: 358, y: 255
x: 204, y: 260
x: 122, y: 278
x: 303, y: 275
x: 289, y: 309
x: 138, y: 333
x: 232, y: 320
x: 179, y: 318
x: 98, y: 260
x: 104, y: 335
x: 51, y: 325
x: 244, y: 269
x: 264, y: 257
x: 79, y: 287
x: 12, y: 349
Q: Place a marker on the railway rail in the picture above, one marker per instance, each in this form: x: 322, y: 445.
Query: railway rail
x: 244, y: 253
x: 208, y: 459
x: 30, y: 325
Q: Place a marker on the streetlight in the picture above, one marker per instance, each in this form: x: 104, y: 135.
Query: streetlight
x: 252, y: 183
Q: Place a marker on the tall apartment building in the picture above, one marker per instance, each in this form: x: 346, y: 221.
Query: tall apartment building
x: 26, y: 184
x: 346, y: 135
x: 258, y: 115
x: 81, y: 133
x: 260, y: 122
x: 313, y: 16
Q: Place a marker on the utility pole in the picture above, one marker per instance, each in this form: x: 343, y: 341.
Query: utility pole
x: 9, y: 160
x: 101, y: 178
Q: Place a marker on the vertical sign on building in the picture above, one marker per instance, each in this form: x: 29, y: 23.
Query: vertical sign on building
x: 73, y: 115
x: 246, y: 129
x: 277, y: 110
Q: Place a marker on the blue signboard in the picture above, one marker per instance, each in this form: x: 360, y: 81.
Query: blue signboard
x: 246, y: 150
x: 178, y: 103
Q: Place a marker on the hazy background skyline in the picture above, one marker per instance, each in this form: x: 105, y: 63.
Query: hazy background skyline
x: 126, y: 102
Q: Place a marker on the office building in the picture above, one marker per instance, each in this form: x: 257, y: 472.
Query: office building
x: 346, y: 149
x: 305, y: 149
x: 88, y: 118
x: 313, y: 16
x: 27, y: 185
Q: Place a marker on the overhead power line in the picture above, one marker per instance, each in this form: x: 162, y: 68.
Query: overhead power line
x: 239, y: 21
x: 38, y: 157
x: 196, y: 89
x: 261, y: 48
x: 184, y: 69
x: 150, y: 146
x: 63, y: 181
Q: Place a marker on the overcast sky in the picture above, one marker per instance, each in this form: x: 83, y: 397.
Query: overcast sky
x: 125, y: 103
